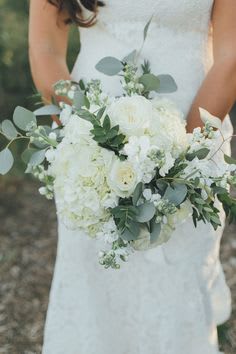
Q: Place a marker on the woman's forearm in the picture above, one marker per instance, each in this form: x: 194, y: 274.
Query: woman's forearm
x: 47, y: 69
x: 217, y: 93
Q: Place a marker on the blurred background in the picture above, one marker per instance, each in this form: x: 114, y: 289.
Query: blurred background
x: 28, y: 234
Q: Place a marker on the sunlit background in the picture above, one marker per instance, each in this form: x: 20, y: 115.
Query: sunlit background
x: 28, y: 221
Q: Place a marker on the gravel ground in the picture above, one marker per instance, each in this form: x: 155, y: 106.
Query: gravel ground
x: 27, y: 255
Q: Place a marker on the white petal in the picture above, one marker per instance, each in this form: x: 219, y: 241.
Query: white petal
x: 207, y: 117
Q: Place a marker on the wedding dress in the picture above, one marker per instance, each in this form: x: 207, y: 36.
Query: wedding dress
x: 167, y: 300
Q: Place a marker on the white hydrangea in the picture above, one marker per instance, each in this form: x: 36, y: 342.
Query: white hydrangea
x: 77, y: 131
x: 80, y: 171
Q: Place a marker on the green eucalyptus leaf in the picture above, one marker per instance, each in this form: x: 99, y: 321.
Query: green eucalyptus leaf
x: 146, y: 212
x: 130, y: 58
x: 167, y: 84
x: 137, y: 193
x: 23, y: 118
x: 131, y: 232
x: 200, y: 154
x: 37, y: 158
x: 155, y: 231
x: 27, y: 154
x: 229, y: 160
x: 47, y: 110
x: 150, y: 82
x: 9, y: 130
x: 6, y: 161
x: 162, y: 185
x: 176, y: 193
x: 109, y: 66
x: 80, y: 100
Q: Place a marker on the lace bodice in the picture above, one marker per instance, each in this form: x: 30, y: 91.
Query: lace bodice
x: 180, y: 15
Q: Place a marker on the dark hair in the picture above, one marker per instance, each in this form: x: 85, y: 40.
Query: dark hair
x: 74, y: 9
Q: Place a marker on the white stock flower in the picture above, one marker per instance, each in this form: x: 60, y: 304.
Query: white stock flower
x: 122, y: 178
x: 168, y: 163
x: 137, y: 150
x: 65, y: 114
x: 133, y: 114
x: 109, y: 232
x: 50, y: 155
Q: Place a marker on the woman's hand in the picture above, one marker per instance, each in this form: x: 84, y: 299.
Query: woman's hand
x: 218, y: 91
x: 48, y: 38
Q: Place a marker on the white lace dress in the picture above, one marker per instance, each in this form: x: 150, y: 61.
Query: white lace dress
x: 167, y: 300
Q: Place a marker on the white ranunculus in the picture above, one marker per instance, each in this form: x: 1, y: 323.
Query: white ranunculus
x: 122, y: 178
x: 133, y: 114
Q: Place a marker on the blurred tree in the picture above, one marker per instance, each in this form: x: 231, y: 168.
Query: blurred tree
x: 16, y: 85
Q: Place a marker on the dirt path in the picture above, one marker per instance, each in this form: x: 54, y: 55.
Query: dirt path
x: 27, y: 254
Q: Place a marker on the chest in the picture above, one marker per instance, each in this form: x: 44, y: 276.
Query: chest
x: 177, y: 14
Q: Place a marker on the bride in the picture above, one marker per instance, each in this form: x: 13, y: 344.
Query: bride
x: 167, y: 300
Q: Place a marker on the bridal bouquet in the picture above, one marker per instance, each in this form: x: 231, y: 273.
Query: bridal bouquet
x: 123, y: 169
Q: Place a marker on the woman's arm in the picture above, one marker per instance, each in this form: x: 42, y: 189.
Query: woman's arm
x: 48, y: 38
x: 218, y: 91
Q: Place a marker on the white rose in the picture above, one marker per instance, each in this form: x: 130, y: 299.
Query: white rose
x: 122, y: 178
x: 133, y: 114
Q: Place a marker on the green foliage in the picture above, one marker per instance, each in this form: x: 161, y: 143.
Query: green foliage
x: 176, y: 193
x: 229, y: 205
x: 23, y: 117
x: 6, y: 161
x: 109, y: 66
x: 200, y: 154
